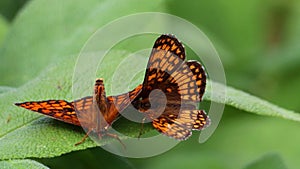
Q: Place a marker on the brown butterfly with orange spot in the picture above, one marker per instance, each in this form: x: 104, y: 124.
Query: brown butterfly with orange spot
x: 94, y: 113
x: 172, y: 89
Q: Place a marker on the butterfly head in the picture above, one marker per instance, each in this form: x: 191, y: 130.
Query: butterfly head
x: 99, y: 81
x: 99, y: 87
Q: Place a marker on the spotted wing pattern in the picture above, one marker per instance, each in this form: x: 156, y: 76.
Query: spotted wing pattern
x: 170, y: 126
x: 167, y: 71
x: 167, y: 55
x: 191, y: 80
x: 58, y: 109
x: 179, y: 127
x: 182, y: 82
x: 198, y: 78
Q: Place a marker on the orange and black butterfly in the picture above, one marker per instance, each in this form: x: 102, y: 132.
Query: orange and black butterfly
x: 88, y: 111
x: 172, y: 89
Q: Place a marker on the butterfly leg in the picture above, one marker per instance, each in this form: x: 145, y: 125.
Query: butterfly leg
x: 84, y: 138
x: 116, y: 137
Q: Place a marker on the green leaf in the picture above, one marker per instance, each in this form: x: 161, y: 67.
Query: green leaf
x: 248, y: 102
x: 22, y: 164
x: 269, y: 161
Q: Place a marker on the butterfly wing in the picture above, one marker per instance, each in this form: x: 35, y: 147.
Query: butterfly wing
x: 168, y: 72
x: 83, y: 104
x: 183, y: 85
x: 181, y: 82
x: 198, y: 79
x: 191, y: 81
x: 170, y: 126
x: 166, y: 56
x: 194, y: 119
x: 120, y: 102
x: 179, y: 126
x: 84, y: 109
x: 57, y: 109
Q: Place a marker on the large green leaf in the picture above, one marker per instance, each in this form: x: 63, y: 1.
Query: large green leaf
x: 249, y: 103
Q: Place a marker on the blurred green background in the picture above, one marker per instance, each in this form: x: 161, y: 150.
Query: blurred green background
x: 259, y: 45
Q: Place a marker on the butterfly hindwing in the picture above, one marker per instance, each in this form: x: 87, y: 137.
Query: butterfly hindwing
x: 202, y: 121
x: 194, y: 119
x: 169, y: 126
x: 180, y: 126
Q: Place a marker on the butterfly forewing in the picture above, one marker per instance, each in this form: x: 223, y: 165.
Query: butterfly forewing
x: 120, y: 102
x: 199, y: 77
x: 167, y: 55
x: 169, y: 43
x: 83, y: 104
x: 58, y: 109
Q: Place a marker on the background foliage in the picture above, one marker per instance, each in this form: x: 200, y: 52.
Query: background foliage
x: 256, y: 40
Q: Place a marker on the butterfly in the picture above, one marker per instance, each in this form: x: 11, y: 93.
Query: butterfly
x: 172, y: 89
x: 94, y: 113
